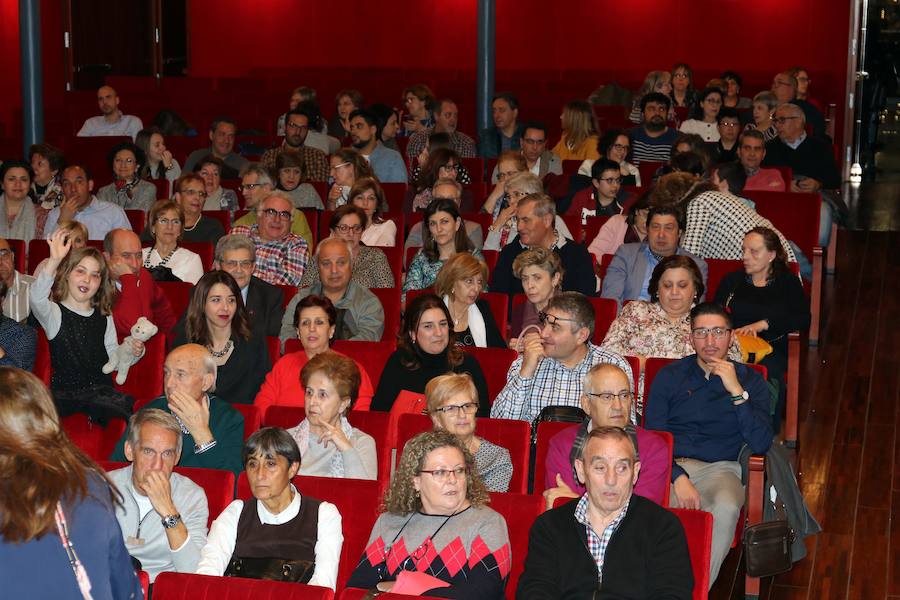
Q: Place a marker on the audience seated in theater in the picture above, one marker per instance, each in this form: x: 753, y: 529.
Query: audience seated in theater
x: 784, y: 86
x: 388, y: 125
x: 347, y: 165
x: 435, y: 163
x: 729, y: 126
x: 608, y: 400
x: 446, y: 118
x: 646, y: 557
x: 507, y: 132
x: 315, y: 161
x: 729, y: 402
x: 551, y: 368
x: 18, y: 215
x: 751, y: 153
x: 369, y: 266
x: 290, y: 168
x: 111, y: 120
x: 314, y: 322
x: 49, y: 484
x: 734, y: 83
x: 706, y: 112
x: 599, y: 200
x: 730, y: 178
x: 74, y: 304
x: 621, y: 229
x: 683, y: 93
x: 715, y: 222
x: 656, y: 82
x: 317, y: 136
x: 79, y: 204
x: 460, y: 283
x: 445, y: 189
x: 615, y: 145
x: 387, y: 164
x: 166, y: 224
x: 190, y: 195
x: 137, y: 294
x: 539, y: 160
x: 278, y: 526
x: 212, y: 430
x: 579, y: 135
x: 171, y: 538
x: 210, y: 168
x: 686, y: 143
x: 509, y: 164
x: 426, y: 348
x: 766, y: 300
x: 281, y: 256
x: 160, y: 162
x: 652, y: 139
x: 236, y: 255
x: 535, y: 216
x: 803, y: 81
x: 171, y: 123
x: 78, y: 233
x: 221, y: 135
x: 368, y: 195
x: 437, y: 503
x: 256, y: 183
x: 452, y: 402
x: 47, y: 163
x: 346, y: 101
x: 299, y: 130
x: 18, y: 342
x: 16, y: 286
x: 419, y: 102
x: 504, y: 228
x: 541, y: 274
x: 442, y: 237
x: 217, y: 319
x: 764, y: 105
x: 329, y: 444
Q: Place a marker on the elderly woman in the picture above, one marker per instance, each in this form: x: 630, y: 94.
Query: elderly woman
x: 277, y: 534
x: 436, y: 509
x: 504, y: 230
x: 160, y: 162
x: 764, y: 105
x: 347, y: 165
x: 622, y: 229
x: 46, y: 189
x: 368, y: 194
x: 426, y: 348
x: 314, y: 319
x: 369, y: 266
x: 76, y: 232
x: 59, y: 536
x: 217, y: 198
x: 509, y: 164
x: 460, y: 283
x: 541, y: 273
x: 704, y: 120
x: 291, y: 170
x: 579, y: 134
x: 165, y: 259
x: 128, y: 190
x: 419, y: 102
x: 452, y: 402
x: 18, y: 218
x: 190, y: 196
x: 330, y: 446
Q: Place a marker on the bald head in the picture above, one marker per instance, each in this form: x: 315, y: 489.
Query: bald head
x: 108, y: 101
x: 606, y: 396
x: 122, y: 250
x: 334, y: 260
x: 190, y: 370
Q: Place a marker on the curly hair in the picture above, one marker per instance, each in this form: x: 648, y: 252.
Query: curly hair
x: 402, y: 498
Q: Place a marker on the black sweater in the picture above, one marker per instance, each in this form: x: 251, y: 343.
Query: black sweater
x: 812, y: 158
x: 647, y: 557
x: 494, y: 339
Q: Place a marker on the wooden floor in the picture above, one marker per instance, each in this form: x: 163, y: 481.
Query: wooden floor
x: 849, y: 453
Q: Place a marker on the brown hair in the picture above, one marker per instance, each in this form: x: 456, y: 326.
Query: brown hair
x: 360, y: 165
x: 459, y: 266
x: 430, y: 172
x: 414, y: 311
x: 103, y: 299
x: 181, y: 181
x: 164, y: 206
x: 423, y: 93
x: 311, y: 301
x: 196, y: 327
x: 676, y: 261
x: 348, y: 209
x: 287, y: 160
x: 339, y: 369
x: 773, y: 244
x: 462, y: 243
x: 677, y: 189
x: 538, y: 257
x: 362, y: 184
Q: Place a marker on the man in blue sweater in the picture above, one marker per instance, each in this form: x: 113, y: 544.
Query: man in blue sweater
x: 712, y: 407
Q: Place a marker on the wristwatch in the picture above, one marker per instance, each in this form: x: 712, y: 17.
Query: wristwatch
x: 743, y: 397
x: 171, y: 521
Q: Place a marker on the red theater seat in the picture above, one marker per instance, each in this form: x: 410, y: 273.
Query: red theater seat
x: 592, y: 228
x: 372, y: 355
x: 475, y: 167
x: 494, y: 364
x: 648, y: 169
x: 545, y: 432
x: 698, y: 531
x: 18, y: 249
x: 520, y: 511
x: 573, y: 222
x: 137, y: 219
x: 222, y: 216
x: 178, y: 293
x: 204, y: 250
x: 145, y: 377
x: 252, y: 418
x: 394, y: 193
x: 390, y: 302
x: 95, y: 441
x: 186, y: 586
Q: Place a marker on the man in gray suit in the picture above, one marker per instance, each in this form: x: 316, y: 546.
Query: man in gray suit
x: 629, y: 272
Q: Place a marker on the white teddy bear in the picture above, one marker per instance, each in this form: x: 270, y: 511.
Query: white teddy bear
x: 121, y: 359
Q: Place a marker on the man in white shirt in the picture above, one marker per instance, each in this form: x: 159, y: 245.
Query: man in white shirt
x: 111, y: 120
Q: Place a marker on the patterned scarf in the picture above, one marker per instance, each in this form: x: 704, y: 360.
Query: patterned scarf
x: 301, y: 436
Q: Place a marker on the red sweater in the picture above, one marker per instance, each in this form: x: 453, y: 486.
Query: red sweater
x: 141, y: 297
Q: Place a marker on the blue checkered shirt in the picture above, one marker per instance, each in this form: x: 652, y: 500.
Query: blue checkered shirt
x: 597, y: 543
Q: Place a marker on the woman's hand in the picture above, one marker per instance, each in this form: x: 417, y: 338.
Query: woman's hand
x: 562, y: 490
x: 505, y: 215
x: 137, y: 347
x: 493, y: 197
x: 60, y: 244
x: 753, y: 329
x: 335, y: 435
x: 167, y: 159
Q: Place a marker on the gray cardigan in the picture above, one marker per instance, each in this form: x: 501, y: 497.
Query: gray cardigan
x: 363, y: 316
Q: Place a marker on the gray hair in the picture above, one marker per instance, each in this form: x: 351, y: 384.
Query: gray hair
x: 333, y: 240
x: 275, y: 194
x: 752, y: 133
x: 153, y: 416
x: 577, y: 306
x: 234, y: 241
x: 595, y: 370
x: 794, y: 110
x: 543, y: 204
x: 271, y: 442
x: 449, y: 181
x: 767, y: 98
x: 527, y: 182
x: 263, y: 175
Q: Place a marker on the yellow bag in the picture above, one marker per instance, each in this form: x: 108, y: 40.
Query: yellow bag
x: 753, y: 348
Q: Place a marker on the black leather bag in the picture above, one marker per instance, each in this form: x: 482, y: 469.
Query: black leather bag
x: 767, y: 548
x: 563, y: 414
x: 273, y: 569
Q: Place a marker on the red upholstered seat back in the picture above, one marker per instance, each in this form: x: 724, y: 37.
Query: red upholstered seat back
x: 187, y: 586
x: 252, y: 418
x: 545, y: 432
x: 520, y: 511
x: 390, y: 302
x: 698, y: 531
x: 95, y: 441
x: 494, y: 363
x: 145, y: 377
x: 719, y: 268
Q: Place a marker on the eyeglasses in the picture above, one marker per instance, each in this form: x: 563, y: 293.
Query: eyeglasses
x: 284, y: 215
x: 234, y: 264
x: 717, y: 332
x: 455, y: 409
x: 552, y: 319
x: 517, y: 193
x: 607, y: 397
x: 441, y: 475
x: 782, y: 120
x: 339, y: 165
x: 349, y: 228
x: 729, y: 125
x: 201, y: 193
x: 124, y: 161
x: 249, y: 187
x: 611, y: 180
x: 165, y: 221
x: 6, y: 253
x: 622, y: 147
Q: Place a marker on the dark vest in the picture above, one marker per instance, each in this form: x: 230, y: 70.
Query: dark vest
x: 78, y: 352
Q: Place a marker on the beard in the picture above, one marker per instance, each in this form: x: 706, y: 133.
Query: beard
x: 360, y: 144
x: 655, y: 124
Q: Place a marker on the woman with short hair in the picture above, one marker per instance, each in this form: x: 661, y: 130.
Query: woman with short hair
x: 166, y: 224
x: 460, y: 283
x: 128, y: 190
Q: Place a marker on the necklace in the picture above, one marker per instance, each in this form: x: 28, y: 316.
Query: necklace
x: 163, y: 261
x: 222, y: 352
x: 191, y: 228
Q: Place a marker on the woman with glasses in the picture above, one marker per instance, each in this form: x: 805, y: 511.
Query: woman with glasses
x: 347, y: 165
x: 704, y: 120
x: 615, y: 145
x: 165, y: 259
x: 509, y: 164
x: 369, y: 266
x: 452, y: 403
x: 128, y: 190
x: 217, y: 198
x: 419, y: 103
x: 442, y: 163
x: 197, y: 227
x: 460, y: 283
x: 504, y: 230
x: 579, y: 134
x: 437, y: 525
x: 368, y: 195
x: 683, y: 93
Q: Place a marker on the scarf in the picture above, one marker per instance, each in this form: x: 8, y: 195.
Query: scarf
x: 300, y: 433
x: 476, y: 324
x: 23, y: 226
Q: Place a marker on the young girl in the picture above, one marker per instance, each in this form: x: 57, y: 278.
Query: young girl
x: 75, y: 310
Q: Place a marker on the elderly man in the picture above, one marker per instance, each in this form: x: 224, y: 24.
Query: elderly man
x: 507, y: 132
x: 236, y: 255
x: 539, y: 160
x: 607, y: 398
x: 784, y: 86
x: 256, y: 183
x: 222, y: 132
x: 750, y: 153
x: 18, y: 286
x: 446, y: 118
x: 387, y: 164
x: 503, y: 231
x: 450, y: 189
x: 553, y: 366
x: 360, y: 315
x: 535, y: 223
x: 652, y: 140
x: 138, y: 296
x: 80, y: 205
x: 612, y: 540
x: 281, y: 256
x: 111, y: 121
x: 296, y: 133
x: 212, y: 430
x: 729, y: 403
x: 628, y: 275
x: 163, y: 515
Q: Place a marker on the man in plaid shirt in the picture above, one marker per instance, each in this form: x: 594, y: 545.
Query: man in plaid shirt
x: 551, y: 370
x: 281, y: 256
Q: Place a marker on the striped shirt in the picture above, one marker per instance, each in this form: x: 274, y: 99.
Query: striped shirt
x: 644, y: 147
x: 598, y: 543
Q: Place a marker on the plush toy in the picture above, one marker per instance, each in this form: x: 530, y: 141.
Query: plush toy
x: 120, y: 359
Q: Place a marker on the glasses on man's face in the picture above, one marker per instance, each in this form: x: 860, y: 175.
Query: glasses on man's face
x: 607, y: 397
x: 6, y: 253
x: 189, y: 192
x: 441, y: 475
x: 234, y: 264
x: 284, y: 215
x: 453, y: 410
x: 783, y: 120
x: 349, y: 228
x: 703, y: 332
x: 164, y: 221
x: 544, y: 317
x: 249, y: 187
x: 611, y: 180
x: 728, y: 125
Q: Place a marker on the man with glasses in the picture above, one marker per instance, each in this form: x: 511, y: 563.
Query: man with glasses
x: 387, y: 164
x: 652, y: 140
x: 552, y: 368
x: 80, y: 205
x: 539, y: 160
x: 281, y: 256
x: 599, y: 200
x: 296, y: 139
x: 784, y: 86
x: 236, y: 255
x: 256, y: 183
x: 222, y: 132
x: 750, y: 153
x: 446, y: 118
x: 16, y: 303
x: 446, y: 189
x: 712, y: 406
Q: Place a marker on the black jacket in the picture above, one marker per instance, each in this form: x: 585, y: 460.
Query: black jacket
x: 265, y: 305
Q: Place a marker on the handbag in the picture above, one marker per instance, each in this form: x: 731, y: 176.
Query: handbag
x: 272, y: 569
x: 556, y: 414
x: 767, y: 548
x: 753, y: 348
